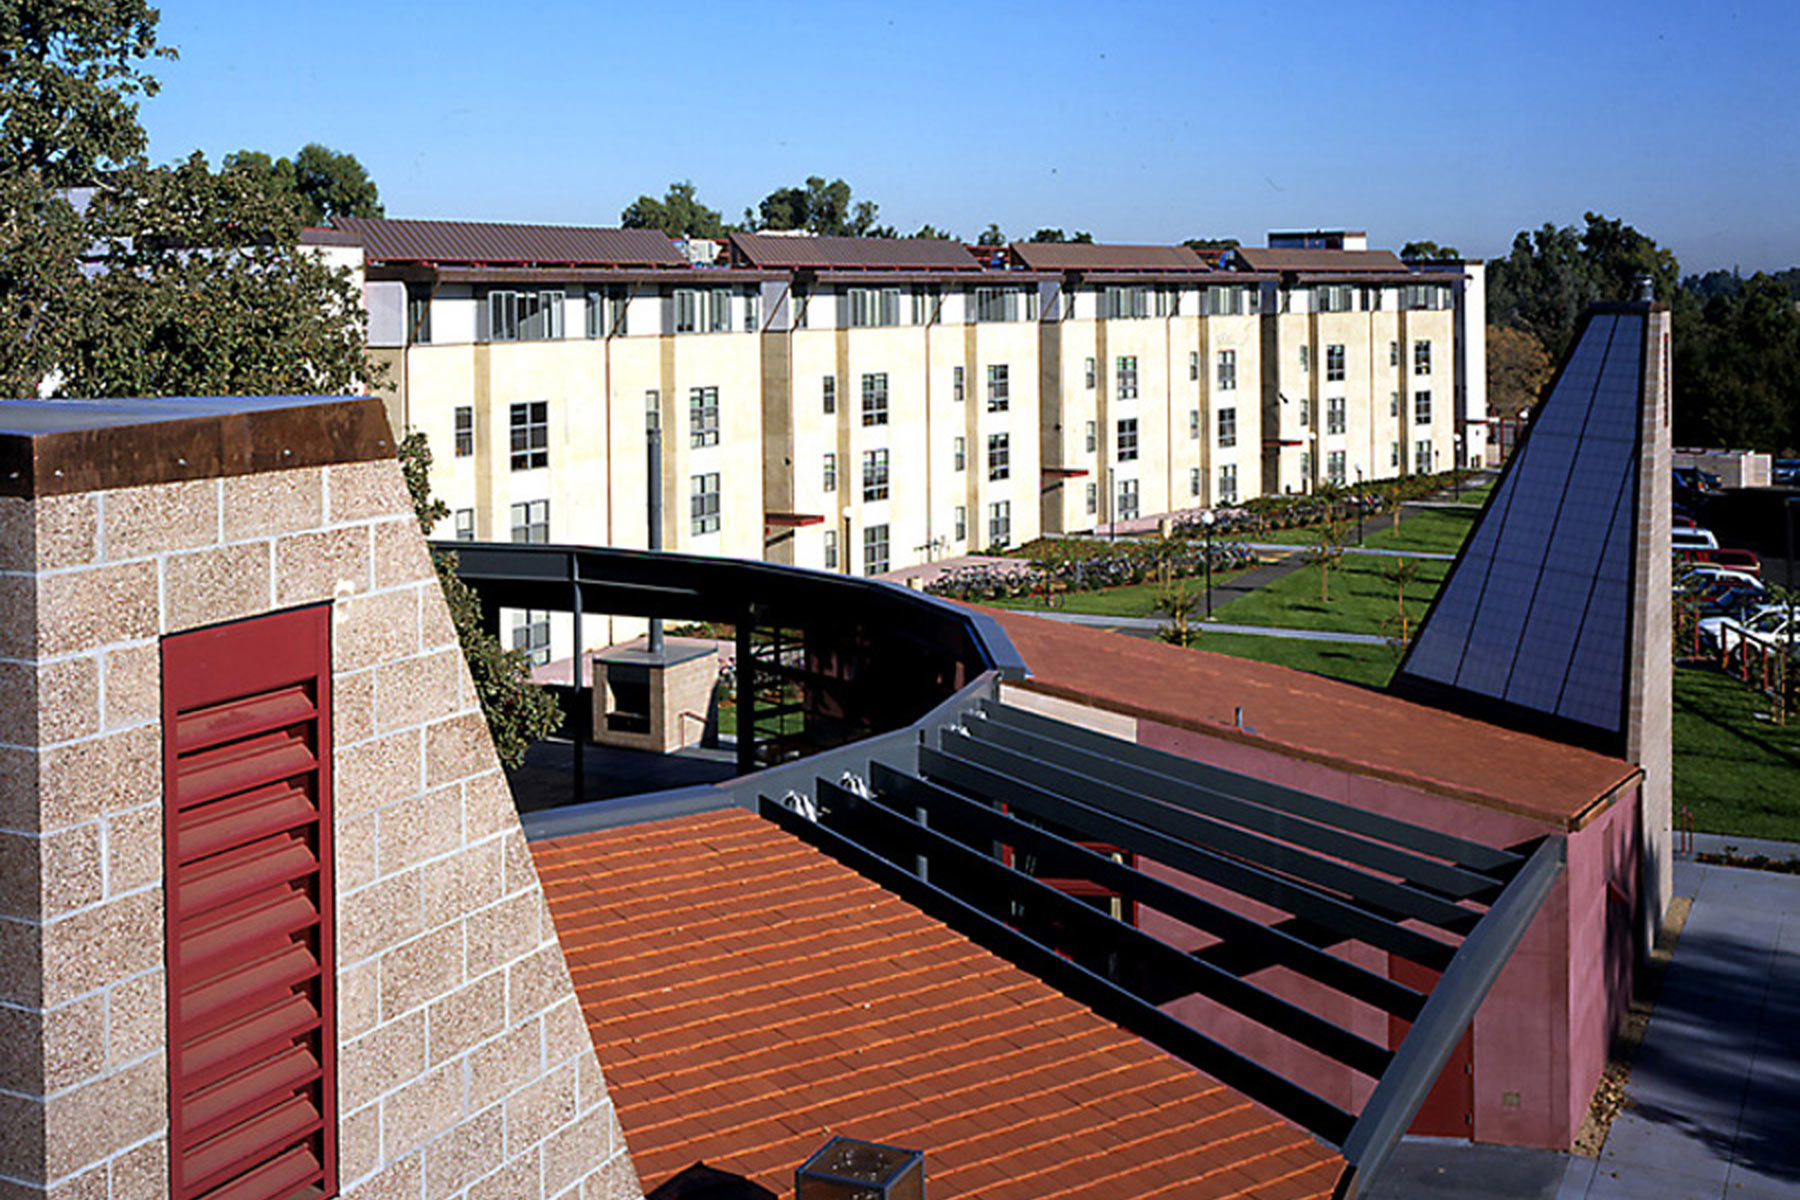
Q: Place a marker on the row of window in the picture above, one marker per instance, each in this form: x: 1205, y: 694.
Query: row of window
x: 1334, y: 358
x: 875, y: 392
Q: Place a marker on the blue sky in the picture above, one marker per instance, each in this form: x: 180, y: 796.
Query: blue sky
x: 1459, y: 121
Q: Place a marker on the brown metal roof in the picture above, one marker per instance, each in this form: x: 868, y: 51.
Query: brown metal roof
x: 845, y: 253
x: 1081, y: 256
x: 477, y: 242
x: 1334, y: 262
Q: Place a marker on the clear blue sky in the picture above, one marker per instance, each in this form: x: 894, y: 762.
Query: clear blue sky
x: 1462, y: 121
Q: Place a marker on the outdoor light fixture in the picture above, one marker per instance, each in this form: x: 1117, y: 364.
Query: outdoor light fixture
x: 847, y: 1169
x: 1206, y: 521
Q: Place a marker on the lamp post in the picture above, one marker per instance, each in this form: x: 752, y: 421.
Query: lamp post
x: 1206, y: 523
x: 1456, y: 466
x: 653, y: 445
x: 1360, y: 504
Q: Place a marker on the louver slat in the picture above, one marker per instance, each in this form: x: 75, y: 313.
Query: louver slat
x: 247, y: 776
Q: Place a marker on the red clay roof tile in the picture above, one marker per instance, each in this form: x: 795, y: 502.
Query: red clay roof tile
x: 1306, y: 716
x: 749, y: 997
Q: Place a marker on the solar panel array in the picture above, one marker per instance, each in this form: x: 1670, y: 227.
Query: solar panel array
x: 1537, y: 612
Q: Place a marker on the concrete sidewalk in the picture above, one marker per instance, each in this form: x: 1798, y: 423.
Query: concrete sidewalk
x: 1713, y: 1106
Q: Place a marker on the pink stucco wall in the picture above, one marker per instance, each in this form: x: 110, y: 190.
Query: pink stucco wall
x: 1541, y: 1037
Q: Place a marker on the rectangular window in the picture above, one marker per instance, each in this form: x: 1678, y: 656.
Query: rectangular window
x: 1421, y: 358
x: 1334, y: 467
x: 1306, y: 412
x: 1393, y: 354
x: 1128, y: 500
x: 1335, y: 414
x: 704, y: 502
x: 871, y: 307
x: 1126, y: 302
x: 1334, y: 363
x: 705, y: 310
x: 687, y: 310
x: 831, y: 550
x: 999, y: 456
x: 1394, y: 455
x: 1228, y: 370
x: 1091, y: 372
x: 830, y: 481
x: 1000, y: 524
x: 418, y: 314
x: 1228, y: 427
x: 875, y: 475
x: 1193, y: 366
x: 875, y: 399
x: 1193, y: 424
x: 1194, y: 482
x: 531, y: 521
x: 752, y: 310
x: 996, y: 304
x: 465, y: 431
x: 999, y: 391
x: 1305, y: 358
x: 1128, y: 439
x: 960, y: 453
x: 1305, y: 466
x: 703, y: 416
x: 531, y: 636
x: 1228, y: 301
x: 962, y: 523
x: 465, y: 524
x: 828, y: 393
x: 1422, y: 408
x: 1093, y: 498
x: 1422, y: 456
x: 1393, y: 404
x: 525, y: 316
x: 503, y: 316
x: 924, y: 306
x: 250, y: 926
x: 875, y: 549
x: 531, y: 435
x: 1127, y: 376
x: 605, y: 313
x: 956, y: 384
x: 1228, y: 484
x: 1335, y: 298
x: 1093, y: 434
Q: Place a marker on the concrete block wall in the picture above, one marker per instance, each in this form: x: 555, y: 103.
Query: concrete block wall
x: 465, y: 1068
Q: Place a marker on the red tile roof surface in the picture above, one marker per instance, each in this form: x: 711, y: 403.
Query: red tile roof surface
x: 1362, y: 262
x: 774, y: 250
x: 749, y: 997
x: 1310, y: 717
x: 1085, y: 256
x: 388, y: 240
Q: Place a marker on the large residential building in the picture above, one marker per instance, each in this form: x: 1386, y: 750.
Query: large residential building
x: 862, y: 405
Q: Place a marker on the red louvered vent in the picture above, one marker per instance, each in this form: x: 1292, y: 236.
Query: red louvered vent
x: 247, y: 832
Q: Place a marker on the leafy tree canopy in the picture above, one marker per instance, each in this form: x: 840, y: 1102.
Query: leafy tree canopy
x: 931, y: 231
x: 324, y: 183
x: 991, y: 236
x: 1737, y: 368
x: 817, y: 207
x: 1553, y: 274
x: 1212, y: 243
x: 679, y: 214
x: 1056, y: 235
x: 1428, y: 252
x: 1517, y: 370
x: 70, y: 75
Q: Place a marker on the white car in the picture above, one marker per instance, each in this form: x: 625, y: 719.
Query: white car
x: 1705, y: 578
x: 1768, y: 627
x: 1693, y: 539
x: 1712, y: 628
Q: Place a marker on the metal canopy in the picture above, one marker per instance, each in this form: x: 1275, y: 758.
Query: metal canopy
x: 1029, y: 835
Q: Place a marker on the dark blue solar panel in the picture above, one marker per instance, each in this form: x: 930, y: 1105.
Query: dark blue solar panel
x: 1537, y: 611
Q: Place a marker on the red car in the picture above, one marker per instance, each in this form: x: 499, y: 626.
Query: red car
x: 1738, y: 560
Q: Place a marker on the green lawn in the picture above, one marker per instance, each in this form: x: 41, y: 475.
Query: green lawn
x: 1362, y: 601
x: 1436, y: 530
x: 1133, y: 600
x: 1739, y: 774
x: 1371, y: 665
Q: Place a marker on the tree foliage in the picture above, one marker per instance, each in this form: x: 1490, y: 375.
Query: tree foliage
x: 1056, y: 235
x: 935, y: 234
x: 518, y: 711
x: 70, y: 75
x: 991, y: 236
x: 1428, y: 252
x: 1737, y: 368
x: 1552, y: 274
x: 323, y: 182
x: 679, y: 214
x: 1518, y: 369
x: 817, y: 207
x: 1198, y: 243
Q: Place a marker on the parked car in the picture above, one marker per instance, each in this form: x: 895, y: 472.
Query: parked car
x: 1693, y: 539
x: 1785, y: 472
x: 1767, y: 627
x: 1703, y: 577
x: 1738, y: 560
x: 1738, y: 602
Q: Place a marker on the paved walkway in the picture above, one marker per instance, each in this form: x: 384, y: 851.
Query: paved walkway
x: 1714, y: 1100
x: 1152, y: 624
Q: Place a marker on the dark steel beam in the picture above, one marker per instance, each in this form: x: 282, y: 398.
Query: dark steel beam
x: 1446, y: 846
x: 1299, y: 899
x: 1267, y: 946
x: 1297, y: 1104
x: 1212, y: 801
x: 1447, y: 1013
x: 1372, y: 892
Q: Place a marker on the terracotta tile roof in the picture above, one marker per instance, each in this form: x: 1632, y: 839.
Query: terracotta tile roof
x: 772, y: 250
x: 750, y: 996
x: 389, y: 240
x: 1082, y: 256
x: 1359, y: 729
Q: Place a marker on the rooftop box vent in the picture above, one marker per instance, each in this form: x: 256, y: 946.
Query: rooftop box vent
x: 846, y: 1169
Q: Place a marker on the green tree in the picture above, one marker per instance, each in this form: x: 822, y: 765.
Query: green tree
x: 1737, y: 369
x: 678, y: 214
x: 518, y: 711
x: 991, y: 236
x: 333, y: 184
x: 1212, y: 243
x: 1518, y: 370
x: 1330, y: 536
x: 1428, y: 252
x: 70, y: 75
x: 935, y: 234
x: 817, y: 207
x: 1553, y: 274
x: 1056, y: 235
x: 41, y: 243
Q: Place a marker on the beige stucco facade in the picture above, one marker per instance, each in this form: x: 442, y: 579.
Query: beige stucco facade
x: 464, y: 1067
